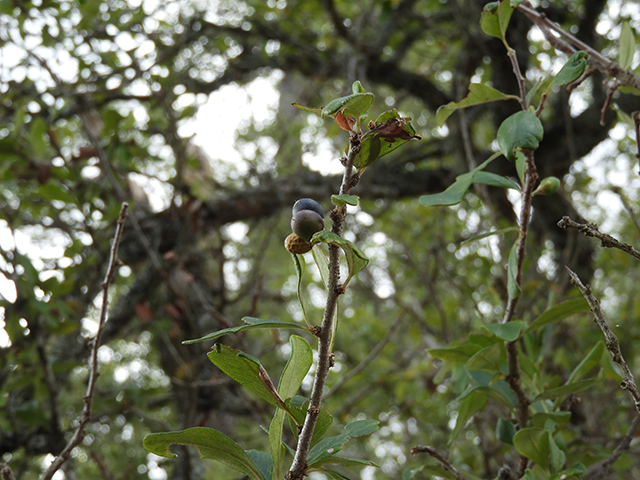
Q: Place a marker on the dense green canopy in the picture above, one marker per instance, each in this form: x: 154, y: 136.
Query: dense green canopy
x: 99, y: 102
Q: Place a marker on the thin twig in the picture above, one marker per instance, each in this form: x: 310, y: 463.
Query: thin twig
x: 611, y: 341
x: 604, y: 468
x: 325, y: 358
x: 5, y: 472
x: 591, y: 230
x: 636, y: 121
x: 603, y: 64
x: 612, y: 86
x: 446, y: 464
x: 93, y: 361
x: 373, y: 354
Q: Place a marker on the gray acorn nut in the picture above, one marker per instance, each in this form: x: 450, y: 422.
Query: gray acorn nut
x: 308, y: 204
x: 305, y: 223
x: 294, y: 244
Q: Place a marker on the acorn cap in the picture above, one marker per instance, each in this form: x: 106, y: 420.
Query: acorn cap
x: 294, y: 244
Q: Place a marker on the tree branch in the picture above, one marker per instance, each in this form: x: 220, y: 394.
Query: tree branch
x: 93, y: 362
x: 611, y: 341
x: 607, y: 241
x: 446, y: 464
x: 325, y: 357
x: 603, y: 470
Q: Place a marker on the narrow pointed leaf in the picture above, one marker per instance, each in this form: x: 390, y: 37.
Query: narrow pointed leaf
x: 478, y: 94
x: 588, y: 363
x: 294, y: 372
x: 513, y: 289
x: 212, y: 445
x: 468, y: 407
x: 627, y: 46
x: 565, y: 390
x: 559, y: 312
x: 489, y: 234
x: 353, y: 105
x: 250, y: 324
x: 317, y: 110
x: 494, y: 180
x: 331, y: 445
x: 299, y: 264
x: 323, y: 265
x: 488, y: 359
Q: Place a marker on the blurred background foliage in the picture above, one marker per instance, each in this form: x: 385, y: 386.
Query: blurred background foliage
x: 99, y: 105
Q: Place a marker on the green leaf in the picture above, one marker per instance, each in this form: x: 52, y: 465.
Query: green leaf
x: 38, y: 137
x: 627, y: 46
x: 330, y: 445
x: 567, y: 389
x: 212, y: 445
x: 472, y: 404
x: 340, y: 200
x: 509, y: 332
x: 487, y: 359
x: 55, y: 191
x: 455, y: 353
x: 505, y: 430
x: 294, y: 372
x: 572, y: 70
x: 559, y: 312
x: 479, y: 93
x: 352, y: 105
x: 494, y: 22
x: 323, y: 265
x: 299, y: 264
x: 356, y: 260
x: 250, y: 324
x: 263, y: 461
x: 513, y: 289
x: 521, y: 166
x: 588, y: 363
x: 317, y: 110
x: 520, y: 130
x: 494, y: 180
x: 489, y: 234
x: 357, y: 87
x: 558, y: 458
x: 455, y: 192
x: 347, y: 462
x: 533, y: 443
x: 244, y: 370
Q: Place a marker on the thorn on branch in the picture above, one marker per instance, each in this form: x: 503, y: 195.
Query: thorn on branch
x: 591, y: 230
x: 446, y: 464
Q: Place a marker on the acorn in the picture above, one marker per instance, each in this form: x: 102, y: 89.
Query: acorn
x: 295, y: 244
x: 306, y: 222
x: 308, y: 204
x: 548, y: 186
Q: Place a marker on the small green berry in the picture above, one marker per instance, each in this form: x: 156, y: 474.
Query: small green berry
x: 548, y: 186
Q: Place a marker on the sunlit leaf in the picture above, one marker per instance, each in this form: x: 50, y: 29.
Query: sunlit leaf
x: 479, y: 93
x: 513, y: 289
